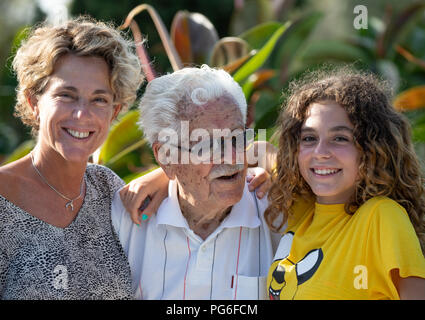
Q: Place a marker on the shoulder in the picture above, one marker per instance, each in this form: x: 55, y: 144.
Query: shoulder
x: 100, y: 171
x: 104, y: 177
x: 7, y: 177
x: 381, y: 208
x: 385, y: 216
x: 14, y: 178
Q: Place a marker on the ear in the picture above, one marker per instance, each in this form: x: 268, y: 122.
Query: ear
x: 33, y: 103
x: 116, y: 111
x: 167, y: 167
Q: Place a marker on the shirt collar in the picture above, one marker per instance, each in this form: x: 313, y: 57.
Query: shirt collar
x: 243, y: 214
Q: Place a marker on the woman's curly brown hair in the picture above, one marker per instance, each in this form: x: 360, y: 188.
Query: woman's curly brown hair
x: 35, y: 60
x: 388, y: 163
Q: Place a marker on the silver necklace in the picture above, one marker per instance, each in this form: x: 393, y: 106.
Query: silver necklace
x: 70, y: 203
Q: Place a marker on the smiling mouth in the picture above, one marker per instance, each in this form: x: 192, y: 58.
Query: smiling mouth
x: 325, y: 172
x: 78, y: 134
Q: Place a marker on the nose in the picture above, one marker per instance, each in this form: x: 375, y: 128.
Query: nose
x: 81, y: 109
x: 322, y: 150
x: 232, y: 154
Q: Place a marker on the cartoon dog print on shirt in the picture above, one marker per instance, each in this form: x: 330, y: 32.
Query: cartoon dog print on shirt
x: 288, y: 275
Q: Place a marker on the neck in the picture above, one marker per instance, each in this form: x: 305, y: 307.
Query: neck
x: 202, y: 218
x: 63, y: 175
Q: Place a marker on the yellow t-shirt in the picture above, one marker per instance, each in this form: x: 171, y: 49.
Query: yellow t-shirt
x: 329, y: 254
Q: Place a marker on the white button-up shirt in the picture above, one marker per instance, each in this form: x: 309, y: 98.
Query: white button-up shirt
x: 169, y: 261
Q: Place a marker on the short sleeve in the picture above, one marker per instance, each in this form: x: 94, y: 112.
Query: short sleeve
x: 397, y: 244
x: 107, y: 181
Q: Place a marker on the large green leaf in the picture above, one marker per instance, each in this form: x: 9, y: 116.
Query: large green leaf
x: 257, y: 36
x: 125, y: 151
x: 136, y: 175
x: 258, y: 60
x: 124, y: 137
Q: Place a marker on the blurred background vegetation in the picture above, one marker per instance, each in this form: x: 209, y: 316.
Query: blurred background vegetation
x: 264, y: 44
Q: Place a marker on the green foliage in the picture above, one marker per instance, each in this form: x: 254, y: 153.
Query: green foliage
x: 262, y: 51
x: 12, y: 132
x: 260, y: 57
x: 125, y: 151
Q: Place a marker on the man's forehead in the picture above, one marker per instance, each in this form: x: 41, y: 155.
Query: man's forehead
x: 211, y: 110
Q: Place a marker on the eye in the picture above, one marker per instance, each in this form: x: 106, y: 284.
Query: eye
x: 341, y: 139
x: 100, y: 100
x: 308, y: 139
x: 65, y: 96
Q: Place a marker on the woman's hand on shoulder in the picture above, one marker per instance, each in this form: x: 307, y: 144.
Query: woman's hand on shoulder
x: 143, y: 196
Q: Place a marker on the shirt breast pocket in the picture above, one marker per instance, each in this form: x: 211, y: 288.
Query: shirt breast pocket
x: 249, y: 288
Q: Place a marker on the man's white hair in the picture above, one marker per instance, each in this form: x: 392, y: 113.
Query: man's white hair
x: 159, y: 106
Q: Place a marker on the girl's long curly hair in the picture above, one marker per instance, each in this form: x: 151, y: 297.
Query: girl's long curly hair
x: 388, y: 163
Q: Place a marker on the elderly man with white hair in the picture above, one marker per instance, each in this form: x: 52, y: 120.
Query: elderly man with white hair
x: 208, y: 239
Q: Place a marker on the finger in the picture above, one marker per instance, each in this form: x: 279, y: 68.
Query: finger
x: 257, y: 181
x: 133, y: 201
x: 263, y: 189
x: 126, y: 197
x: 153, y: 205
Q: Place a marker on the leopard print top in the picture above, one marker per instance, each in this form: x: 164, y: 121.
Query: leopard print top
x: 82, y: 261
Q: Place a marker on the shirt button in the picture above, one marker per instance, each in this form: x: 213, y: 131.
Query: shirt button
x: 203, y: 249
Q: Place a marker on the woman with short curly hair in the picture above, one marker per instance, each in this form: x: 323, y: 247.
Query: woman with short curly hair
x: 350, y: 188
x: 36, y: 58
x: 56, y: 236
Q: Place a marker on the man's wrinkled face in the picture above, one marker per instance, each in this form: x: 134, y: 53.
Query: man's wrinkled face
x: 220, y: 184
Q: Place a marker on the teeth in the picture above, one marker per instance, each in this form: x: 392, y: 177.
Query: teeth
x: 325, y: 171
x: 77, y: 134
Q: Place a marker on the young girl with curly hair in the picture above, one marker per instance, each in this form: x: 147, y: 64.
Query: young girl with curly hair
x: 350, y: 188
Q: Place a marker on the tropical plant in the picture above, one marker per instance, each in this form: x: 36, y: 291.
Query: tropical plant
x: 194, y: 41
x: 264, y: 56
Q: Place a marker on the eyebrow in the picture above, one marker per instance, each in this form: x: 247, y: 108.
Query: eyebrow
x: 333, y: 129
x: 101, y: 91
x: 73, y: 89
x: 68, y: 88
